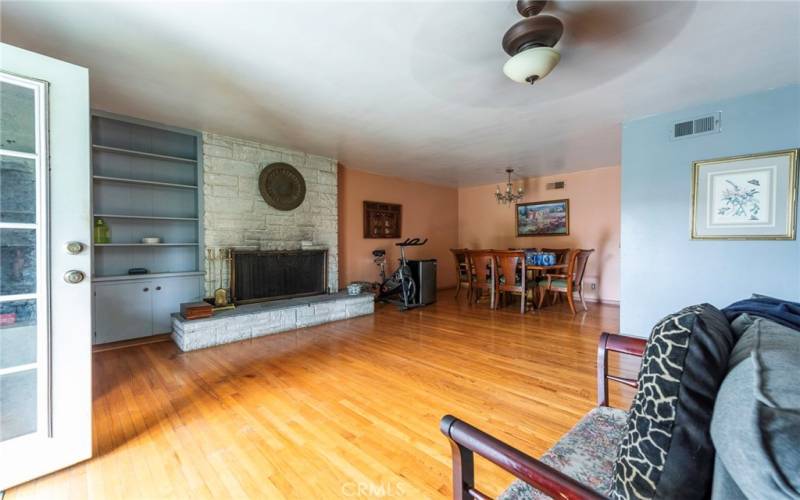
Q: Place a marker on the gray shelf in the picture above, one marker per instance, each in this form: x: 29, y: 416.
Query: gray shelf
x: 142, y: 154
x: 129, y: 277
x: 146, y: 244
x: 144, y: 217
x: 143, y: 182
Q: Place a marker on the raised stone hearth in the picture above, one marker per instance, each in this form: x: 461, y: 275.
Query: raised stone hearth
x: 265, y: 318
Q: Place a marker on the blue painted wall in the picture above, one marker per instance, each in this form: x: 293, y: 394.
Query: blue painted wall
x: 662, y: 268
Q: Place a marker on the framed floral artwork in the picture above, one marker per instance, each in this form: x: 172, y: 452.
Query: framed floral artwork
x: 748, y: 197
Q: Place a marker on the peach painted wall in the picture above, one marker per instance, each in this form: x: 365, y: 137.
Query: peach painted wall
x: 594, y: 215
x: 428, y: 212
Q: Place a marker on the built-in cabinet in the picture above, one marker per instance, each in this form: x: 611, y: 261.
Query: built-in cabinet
x: 147, y: 182
x: 138, y: 308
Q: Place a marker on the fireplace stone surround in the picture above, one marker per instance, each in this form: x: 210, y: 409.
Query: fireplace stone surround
x: 236, y: 216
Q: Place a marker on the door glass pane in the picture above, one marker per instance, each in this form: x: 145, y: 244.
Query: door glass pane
x: 17, y: 118
x: 17, y: 261
x: 17, y: 333
x: 17, y: 189
x: 20, y: 393
x: 17, y: 404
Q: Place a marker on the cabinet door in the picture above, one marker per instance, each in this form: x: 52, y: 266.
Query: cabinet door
x: 122, y: 311
x: 168, y: 294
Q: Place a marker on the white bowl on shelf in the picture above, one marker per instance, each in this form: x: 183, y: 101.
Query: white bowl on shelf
x: 151, y: 240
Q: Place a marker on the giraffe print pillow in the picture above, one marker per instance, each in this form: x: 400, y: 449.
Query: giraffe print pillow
x: 667, y: 450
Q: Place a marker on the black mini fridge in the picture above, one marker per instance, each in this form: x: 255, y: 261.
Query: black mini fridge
x: 424, y: 274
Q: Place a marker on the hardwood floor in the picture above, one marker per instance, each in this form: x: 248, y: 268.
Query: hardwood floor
x: 346, y: 409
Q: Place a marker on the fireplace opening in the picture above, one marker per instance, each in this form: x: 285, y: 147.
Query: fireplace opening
x: 263, y: 275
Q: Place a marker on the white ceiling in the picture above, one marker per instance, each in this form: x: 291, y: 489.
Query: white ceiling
x: 413, y: 89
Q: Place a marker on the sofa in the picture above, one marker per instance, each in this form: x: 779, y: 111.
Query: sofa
x: 716, y: 414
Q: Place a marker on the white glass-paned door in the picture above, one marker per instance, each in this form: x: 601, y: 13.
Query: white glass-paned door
x: 24, y: 331
x: 45, y: 290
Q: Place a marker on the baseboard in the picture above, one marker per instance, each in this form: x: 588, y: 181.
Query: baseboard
x: 598, y: 300
x: 122, y: 344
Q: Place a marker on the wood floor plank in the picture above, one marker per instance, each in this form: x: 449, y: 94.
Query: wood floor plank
x: 347, y: 409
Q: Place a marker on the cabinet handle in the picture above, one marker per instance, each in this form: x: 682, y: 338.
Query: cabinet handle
x: 158, y: 288
x: 146, y: 289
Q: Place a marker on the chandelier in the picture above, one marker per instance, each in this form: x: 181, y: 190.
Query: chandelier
x: 509, y: 196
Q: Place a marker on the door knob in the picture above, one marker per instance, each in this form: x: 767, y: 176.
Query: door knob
x: 73, y: 276
x: 74, y: 247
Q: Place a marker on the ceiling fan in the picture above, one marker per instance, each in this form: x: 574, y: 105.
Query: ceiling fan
x: 530, y: 43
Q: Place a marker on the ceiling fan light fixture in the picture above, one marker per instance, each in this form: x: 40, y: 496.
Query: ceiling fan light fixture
x: 532, y: 64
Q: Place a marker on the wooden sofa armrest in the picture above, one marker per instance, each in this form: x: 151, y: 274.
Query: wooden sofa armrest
x: 466, y: 440
x: 615, y: 343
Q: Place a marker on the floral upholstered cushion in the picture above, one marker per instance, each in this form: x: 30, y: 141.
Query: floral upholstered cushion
x: 586, y: 453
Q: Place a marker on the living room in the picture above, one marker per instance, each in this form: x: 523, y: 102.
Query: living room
x: 330, y: 250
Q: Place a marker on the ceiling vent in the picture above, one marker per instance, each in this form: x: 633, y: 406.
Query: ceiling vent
x: 702, y: 125
x: 556, y: 185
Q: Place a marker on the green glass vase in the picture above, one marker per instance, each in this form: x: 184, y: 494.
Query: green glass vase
x: 102, y: 233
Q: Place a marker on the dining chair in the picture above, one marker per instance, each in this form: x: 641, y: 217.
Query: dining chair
x: 463, y: 270
x: 562, y: 254
x: 570, y: 282
x: 484, y: 268
x: 512, y: 276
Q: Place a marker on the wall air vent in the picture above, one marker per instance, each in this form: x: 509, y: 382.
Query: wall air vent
x: 556, y: 185
x: 702, y: 125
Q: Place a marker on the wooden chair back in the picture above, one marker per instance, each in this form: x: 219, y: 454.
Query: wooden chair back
x: 462, y: 263
x: 484, y: 266
x: 562, y: 254
x: 577, y: 267
x: 509, y: 263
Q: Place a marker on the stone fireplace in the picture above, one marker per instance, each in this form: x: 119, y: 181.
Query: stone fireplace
x: 237, y: 217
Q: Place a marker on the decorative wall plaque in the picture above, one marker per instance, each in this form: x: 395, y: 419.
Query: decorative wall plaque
x: 382, y: 220
x: 282, y: 186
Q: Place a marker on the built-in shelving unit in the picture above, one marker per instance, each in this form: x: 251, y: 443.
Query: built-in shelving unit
x: 147, y: 181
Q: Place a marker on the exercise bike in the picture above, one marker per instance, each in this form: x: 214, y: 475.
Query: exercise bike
x: 400, y: 288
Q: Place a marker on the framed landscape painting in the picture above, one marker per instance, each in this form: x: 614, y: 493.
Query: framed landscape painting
x: 543, y: 218
x: 745, y: 197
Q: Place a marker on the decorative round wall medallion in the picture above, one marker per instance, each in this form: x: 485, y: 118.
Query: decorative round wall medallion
x: 282, y: 186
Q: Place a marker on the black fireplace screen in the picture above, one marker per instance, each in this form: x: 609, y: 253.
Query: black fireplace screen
x: 269, y: 275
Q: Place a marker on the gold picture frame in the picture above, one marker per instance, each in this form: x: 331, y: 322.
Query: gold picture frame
x: 745, y: 197
x: 554, y: 220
